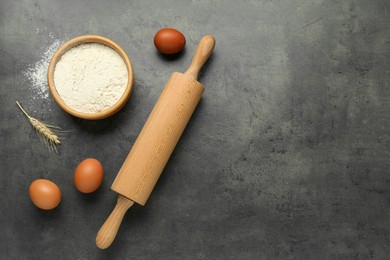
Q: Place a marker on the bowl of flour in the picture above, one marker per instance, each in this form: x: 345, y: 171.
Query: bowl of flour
x: 90, y: 77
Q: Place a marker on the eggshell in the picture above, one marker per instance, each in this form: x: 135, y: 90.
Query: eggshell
x: 169, y: 41
x: 45, y: 194
x: 88, y: 175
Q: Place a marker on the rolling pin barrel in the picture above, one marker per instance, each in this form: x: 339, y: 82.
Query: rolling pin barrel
x: 158, y: 138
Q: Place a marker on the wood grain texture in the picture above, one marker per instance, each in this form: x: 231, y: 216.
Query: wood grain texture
x: 108, y: 231
x: 158, y: 138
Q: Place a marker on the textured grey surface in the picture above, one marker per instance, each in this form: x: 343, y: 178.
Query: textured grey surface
x: 286, y: 157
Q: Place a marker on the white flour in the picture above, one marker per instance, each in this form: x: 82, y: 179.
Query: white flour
x: 37, y: 74
x: 90, y: 77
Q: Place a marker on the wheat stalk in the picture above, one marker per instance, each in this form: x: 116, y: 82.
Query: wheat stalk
x: 49, y: 137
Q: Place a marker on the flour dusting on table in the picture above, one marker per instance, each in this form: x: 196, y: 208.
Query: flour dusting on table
x: 37, y: 73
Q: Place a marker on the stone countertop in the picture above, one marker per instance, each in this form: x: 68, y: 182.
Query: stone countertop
x: 286, y: 157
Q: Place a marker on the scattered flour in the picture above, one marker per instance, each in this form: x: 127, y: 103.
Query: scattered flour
x: 37, y: 74
x: 90, y: 77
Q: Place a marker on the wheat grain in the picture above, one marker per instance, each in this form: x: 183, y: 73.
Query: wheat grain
x: 46, y: 131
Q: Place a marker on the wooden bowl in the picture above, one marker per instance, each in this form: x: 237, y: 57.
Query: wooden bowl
x: 90, y: 39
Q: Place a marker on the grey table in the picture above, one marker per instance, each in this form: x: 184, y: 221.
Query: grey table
x: 286, y: 157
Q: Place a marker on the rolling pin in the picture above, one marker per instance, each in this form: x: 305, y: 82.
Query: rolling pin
x: 156, y: 141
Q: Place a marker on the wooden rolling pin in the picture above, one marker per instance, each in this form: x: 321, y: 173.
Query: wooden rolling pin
x: 156, y: 141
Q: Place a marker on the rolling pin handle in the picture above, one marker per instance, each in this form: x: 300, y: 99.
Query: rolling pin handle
x: 202, y: 53
x: 108, y: 231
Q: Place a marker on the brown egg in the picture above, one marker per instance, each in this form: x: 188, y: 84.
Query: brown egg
x: 45, y: 194
x: 169, y: 41
x: 88, y: 175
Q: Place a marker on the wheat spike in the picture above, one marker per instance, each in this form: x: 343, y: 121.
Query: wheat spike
x: 46, y: 131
